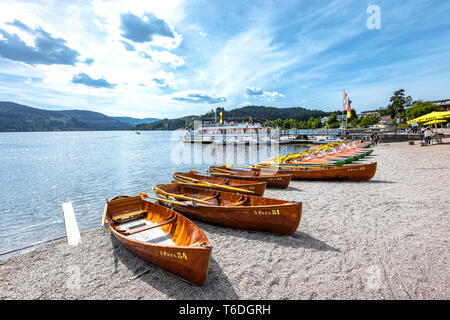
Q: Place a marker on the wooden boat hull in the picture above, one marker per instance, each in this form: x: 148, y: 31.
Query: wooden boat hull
x: 356, y: 172
x: 346, y: 157
x: 258, y: 214
x: 255, y: 188
x: 184, y: 253
x: 278, y: 180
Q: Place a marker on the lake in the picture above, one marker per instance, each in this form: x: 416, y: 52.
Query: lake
x: 39, y: 171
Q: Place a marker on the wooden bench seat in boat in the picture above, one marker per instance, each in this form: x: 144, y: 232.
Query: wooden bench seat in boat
x: 143, y: 225
x: 128, y: 215
x: 146, y: 232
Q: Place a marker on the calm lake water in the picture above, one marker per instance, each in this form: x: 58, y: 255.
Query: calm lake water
x: 39, y: 171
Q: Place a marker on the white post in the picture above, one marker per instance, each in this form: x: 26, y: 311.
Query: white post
x: 72, y: 232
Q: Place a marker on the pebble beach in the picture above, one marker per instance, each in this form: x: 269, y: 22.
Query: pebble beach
x: 387, y: 238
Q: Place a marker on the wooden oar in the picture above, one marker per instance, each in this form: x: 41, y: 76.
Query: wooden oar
x: 104, y: 214
x: 179, y: 196
x: 194, y: 181
x: 211, y: 173
x: 233, y: 166
x: 208, y: 184
x: 181, y: 177
x: 145, y: 196
x: 223, y: 171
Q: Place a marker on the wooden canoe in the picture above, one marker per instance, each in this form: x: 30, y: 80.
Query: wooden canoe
x: 280, y: 180
x: 346, y: 172
x: 160, y: 236
x: 233, y: 210
x: 254, y: 188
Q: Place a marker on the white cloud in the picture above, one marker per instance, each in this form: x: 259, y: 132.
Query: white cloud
x: 163, y: 57
x: 170, y: 11
x: 197, y: 96
x: 263, y: 94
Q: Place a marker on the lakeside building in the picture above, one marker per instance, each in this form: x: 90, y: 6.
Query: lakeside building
x: 366, y: 113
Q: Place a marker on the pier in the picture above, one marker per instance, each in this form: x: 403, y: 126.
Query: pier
x: 386, y: 135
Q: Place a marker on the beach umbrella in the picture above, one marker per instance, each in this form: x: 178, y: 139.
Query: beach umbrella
x: 435, y: 122
x: 431, y: 116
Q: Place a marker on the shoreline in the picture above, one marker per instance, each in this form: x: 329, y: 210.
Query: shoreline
x: 382, y: 239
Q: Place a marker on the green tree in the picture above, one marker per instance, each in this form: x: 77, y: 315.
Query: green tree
x: 301, y: 125
x: 353, y: 113
x: 354, y: 122
x: 369, y: 120
x: 421, y: 108
x: 398, y: 102
x: 332, y: 119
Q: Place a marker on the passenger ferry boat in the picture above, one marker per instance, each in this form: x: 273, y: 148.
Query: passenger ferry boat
x: 235, y: 134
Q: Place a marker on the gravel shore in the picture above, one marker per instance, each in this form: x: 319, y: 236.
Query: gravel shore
x: 387, y: 238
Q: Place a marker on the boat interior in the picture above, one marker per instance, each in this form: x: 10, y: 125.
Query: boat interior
x: 244, y: 173
x: 147, y: 222
x: 186, y: 194
x: 210, y: 179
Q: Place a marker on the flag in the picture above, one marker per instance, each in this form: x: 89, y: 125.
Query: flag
x: 215, y: 116
x: 345, y: 101
x: 220, y: 117
x: 349, y: 109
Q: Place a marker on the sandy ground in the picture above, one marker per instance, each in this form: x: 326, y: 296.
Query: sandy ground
x: 383, y: 239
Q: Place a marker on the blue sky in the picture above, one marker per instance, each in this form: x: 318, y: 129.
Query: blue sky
x: 174, y: 58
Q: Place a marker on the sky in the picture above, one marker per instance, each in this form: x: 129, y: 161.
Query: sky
x: 173, y: 58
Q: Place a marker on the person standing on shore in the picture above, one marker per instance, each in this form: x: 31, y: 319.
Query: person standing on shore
x: 427, y: 134
x: 375, y: 137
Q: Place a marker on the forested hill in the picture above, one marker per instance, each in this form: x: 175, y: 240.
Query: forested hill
x: 261, y: 113
x: 17, y: 117
x: 257, y: 113
x: 135, y: 121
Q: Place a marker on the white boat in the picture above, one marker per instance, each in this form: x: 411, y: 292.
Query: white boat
x: 325, y: 139
x: 237, y: 134
x: 285, y: 140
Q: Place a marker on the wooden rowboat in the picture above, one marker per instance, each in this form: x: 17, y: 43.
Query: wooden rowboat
x: 160, y: 236
x: 346, y: 172
x: 233, y: 210
x: 254, y: 188
x: 280, y: 180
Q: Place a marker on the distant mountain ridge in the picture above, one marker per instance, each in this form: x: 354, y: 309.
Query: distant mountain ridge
x: 17, y: 117
x: 135, y: 121
x: 257, y: 113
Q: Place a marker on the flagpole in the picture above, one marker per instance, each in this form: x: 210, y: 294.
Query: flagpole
x: 342, y: 120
